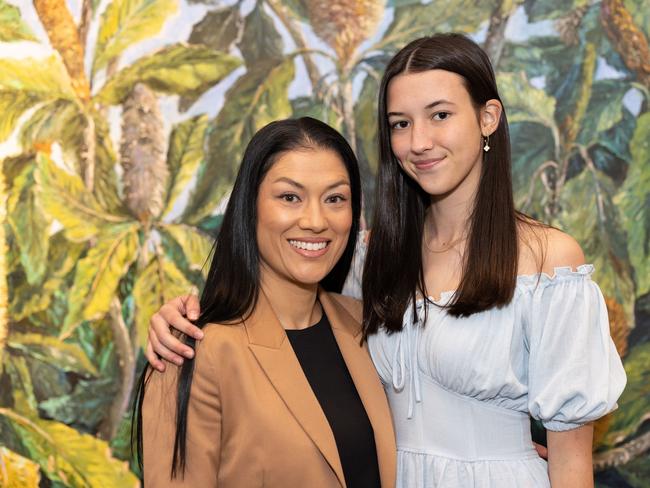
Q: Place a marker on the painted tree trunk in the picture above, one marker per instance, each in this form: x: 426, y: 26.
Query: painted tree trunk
x: 4, y: 292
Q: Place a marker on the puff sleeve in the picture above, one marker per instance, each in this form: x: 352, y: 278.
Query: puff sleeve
x: 575, y: 375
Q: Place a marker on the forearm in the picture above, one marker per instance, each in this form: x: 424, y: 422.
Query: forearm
x: 569, y: 458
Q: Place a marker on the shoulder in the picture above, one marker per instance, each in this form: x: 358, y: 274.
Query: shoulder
x: 544, y: 248
x: 218, y: 339
x: 352, y: 305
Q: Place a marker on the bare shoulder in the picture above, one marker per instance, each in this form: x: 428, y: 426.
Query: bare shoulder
x: 544, y: 248
x: 352, y: 305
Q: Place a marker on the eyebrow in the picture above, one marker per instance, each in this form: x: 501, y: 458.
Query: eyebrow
x: 430, y: 106
x: 284, y: 179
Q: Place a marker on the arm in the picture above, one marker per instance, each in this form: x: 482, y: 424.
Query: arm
x: 203, y: 449
x: 162, y: 343
x: 569, y: 458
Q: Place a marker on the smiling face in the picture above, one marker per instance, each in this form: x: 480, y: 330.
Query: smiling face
x: 304, y: 216
x: 436, y: 130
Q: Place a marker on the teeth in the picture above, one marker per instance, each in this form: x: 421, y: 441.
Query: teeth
x: 308, y: 246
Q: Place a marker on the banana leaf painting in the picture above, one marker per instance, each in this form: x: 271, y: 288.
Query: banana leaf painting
x: 123, y: 122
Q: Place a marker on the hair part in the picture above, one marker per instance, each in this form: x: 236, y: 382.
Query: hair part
x: 489, y: 271
x: 232, y: 286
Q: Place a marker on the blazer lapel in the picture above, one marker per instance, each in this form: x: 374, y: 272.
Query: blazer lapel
x: 270, y: 346
x: 364, y: 375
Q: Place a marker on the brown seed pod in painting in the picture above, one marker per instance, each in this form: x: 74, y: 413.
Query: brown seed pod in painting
x: 619, y: 330
x: 568, y: 26
x: 142, y: 153
x: 344, y: 24
x: 618, y: 325
x: 627, y: 38
x: 63, y: 35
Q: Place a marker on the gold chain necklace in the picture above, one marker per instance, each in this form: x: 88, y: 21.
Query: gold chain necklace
x: 446, y: 248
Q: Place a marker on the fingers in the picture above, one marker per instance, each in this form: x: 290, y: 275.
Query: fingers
x: 152, y: 357
x: 162, y: 351
x: 192, y: 307
x: 541, y: 450
x: 164, y: 342
x: 172, y: 314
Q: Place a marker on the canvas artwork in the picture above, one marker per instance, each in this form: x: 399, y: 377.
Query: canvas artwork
x: 122, y: 125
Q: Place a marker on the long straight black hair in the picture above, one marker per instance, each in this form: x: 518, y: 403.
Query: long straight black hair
x: 233, y: 282
x: 393, y: 274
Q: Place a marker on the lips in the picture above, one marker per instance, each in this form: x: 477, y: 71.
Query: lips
x: 424, y: 164
x: 310, y: 248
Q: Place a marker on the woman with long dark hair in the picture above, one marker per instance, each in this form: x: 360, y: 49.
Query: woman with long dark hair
x: 477, y: 317
x: 281, y: 391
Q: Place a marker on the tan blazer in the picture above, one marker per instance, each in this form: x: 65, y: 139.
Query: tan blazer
x: 253, y: 419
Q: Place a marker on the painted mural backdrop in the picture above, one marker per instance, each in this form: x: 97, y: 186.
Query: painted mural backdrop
x: 121, y: 126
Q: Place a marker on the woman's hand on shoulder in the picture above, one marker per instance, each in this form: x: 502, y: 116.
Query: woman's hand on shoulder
x: 176, y: 314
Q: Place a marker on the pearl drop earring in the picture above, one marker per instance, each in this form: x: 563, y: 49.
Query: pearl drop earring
x: 486, y: 147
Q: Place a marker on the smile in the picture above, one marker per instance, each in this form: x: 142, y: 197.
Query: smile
x: 309, y: 246
x: 427, y: 163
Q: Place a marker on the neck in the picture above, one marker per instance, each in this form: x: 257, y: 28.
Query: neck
x: 448, y: 216
x: 295, y: 304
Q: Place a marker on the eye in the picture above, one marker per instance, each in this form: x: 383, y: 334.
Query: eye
x: 400, y: 124
x: 440, y: 116
x: 335, y: 199
x: 289, y: 197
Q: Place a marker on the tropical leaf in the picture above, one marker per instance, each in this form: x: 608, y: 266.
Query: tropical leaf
x: 65, y: 198
x: 12, y: 26
x: 257, y: 98
x: 179, y: 69
x: 532, y: 145
x: 43, y: 78
x: 592, y: 218
x: 411, y: 21
x: 53, y: 121
x: 22, y: 388
x: 30, y: 299
x: 126, y: 22
x: 261, y: 42
x: 365, y: 114
x: 633, y: 405
x: 184, y: 155
x: 605, y: 110
x: 160, y: 281
x: 26, y: 82
x: 12, y: 105
x: 67, y: 456
x: 17, y: 471
x: 52, y: 350
x: 635, y: 204
x: 219, y: 28
x: 85, y: 407
x: 196, y: 245
x: 29, y: 225
x: 525, y: 102
x: 62, y: 121
x: 99, y: 273
x: 550, y: 9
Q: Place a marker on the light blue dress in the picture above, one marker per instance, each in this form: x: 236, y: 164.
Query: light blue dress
x: 461, y: 390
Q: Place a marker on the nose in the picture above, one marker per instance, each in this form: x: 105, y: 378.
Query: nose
x: 421, y: 138
x: 313, y: 217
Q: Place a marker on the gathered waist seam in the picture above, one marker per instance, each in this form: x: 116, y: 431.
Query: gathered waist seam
x: 523, y: 457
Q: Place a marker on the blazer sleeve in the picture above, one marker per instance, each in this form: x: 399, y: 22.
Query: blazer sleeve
x: 203, y: 441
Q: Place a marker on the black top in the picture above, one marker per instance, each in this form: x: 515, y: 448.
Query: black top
x: 330, y: 380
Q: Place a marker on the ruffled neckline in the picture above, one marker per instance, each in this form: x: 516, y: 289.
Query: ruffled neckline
x: 528, y: 281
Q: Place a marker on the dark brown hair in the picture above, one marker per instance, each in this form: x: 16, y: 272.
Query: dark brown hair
x: 393, y: 274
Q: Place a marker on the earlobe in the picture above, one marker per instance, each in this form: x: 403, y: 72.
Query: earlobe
x: 490, y: 116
